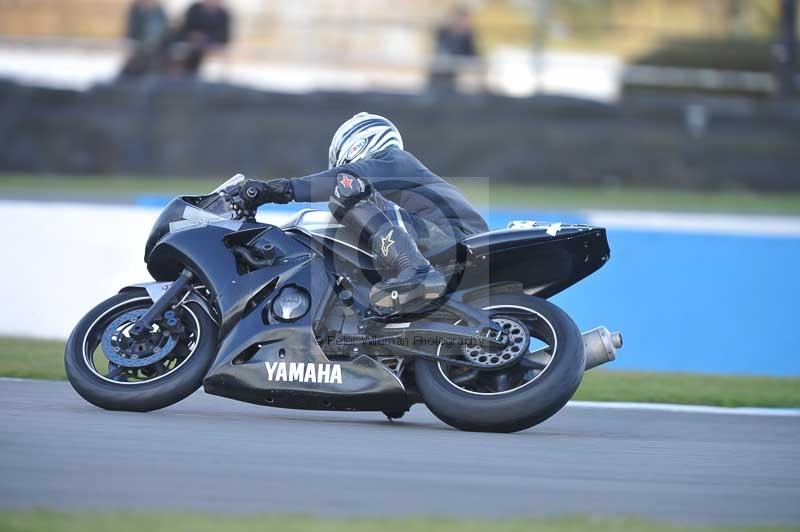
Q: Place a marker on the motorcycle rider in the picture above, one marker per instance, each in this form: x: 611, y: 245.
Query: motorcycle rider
x: 386, y: 196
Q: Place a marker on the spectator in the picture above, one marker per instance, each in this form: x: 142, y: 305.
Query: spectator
x: 206, y: 29
x: 146, y: 29
x: 455, y: 47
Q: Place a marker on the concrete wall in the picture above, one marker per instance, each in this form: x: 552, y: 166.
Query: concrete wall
x: 185, y: 128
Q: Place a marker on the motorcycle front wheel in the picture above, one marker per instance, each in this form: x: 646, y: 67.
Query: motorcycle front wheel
x: 516, y: 388
x: 112, y: 370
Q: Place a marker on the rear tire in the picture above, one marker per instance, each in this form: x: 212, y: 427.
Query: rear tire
x: 181, y: 382
x: 516, y: 409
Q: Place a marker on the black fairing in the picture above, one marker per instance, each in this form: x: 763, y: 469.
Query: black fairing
x: 185, y: 211
x: 365, y: 384
x: 250, y: 333
x: 259, y: 337
x: 545, y: 264
x: 205, y: 251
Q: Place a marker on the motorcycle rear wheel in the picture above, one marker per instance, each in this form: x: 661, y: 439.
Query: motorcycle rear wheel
x: 516, y: 396
x: 156, y: 386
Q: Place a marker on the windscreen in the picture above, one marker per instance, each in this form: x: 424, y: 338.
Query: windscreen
x: 215, y: 203
x: 235, y: 180
x: 188, y: 211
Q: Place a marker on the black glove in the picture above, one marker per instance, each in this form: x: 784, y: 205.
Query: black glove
x: 255, y: 193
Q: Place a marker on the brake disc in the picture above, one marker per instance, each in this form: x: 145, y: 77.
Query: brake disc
x: 518, y: 342
x: 129, y: 352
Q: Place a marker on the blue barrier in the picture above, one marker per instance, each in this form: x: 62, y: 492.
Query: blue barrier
x: 690, y: 302
x: 686, y: 301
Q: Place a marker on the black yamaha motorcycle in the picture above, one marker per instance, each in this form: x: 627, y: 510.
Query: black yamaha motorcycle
x: 280, y: 316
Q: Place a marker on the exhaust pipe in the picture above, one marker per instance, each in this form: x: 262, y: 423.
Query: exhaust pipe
x: 600, y: 346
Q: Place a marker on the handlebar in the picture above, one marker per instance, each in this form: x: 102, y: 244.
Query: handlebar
x: 238, y: 206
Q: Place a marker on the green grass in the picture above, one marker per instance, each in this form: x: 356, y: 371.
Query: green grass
x: 479, y: 191
x: 608, y: 197
x: 72, y: 187
x: 50, y: 521
x: 690, y: 388
x: 42, y: 359
x: 32, y: 359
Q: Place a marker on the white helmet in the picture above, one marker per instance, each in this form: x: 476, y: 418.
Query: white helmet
x: 360, y: 137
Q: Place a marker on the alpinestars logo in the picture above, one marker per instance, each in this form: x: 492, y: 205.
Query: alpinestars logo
x: 386, y: 242
x: 304, y: 372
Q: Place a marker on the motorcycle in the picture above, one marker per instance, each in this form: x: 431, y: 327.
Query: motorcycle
x: 281, y: 316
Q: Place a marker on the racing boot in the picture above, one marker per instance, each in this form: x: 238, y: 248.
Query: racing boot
x: 409, y: 280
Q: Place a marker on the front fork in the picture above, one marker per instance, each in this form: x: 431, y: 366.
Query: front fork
x: 157, y: 311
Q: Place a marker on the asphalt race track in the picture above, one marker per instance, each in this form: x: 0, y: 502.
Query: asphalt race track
x: 218, y: 455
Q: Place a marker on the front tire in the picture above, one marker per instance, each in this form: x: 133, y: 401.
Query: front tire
x: 118, y: 391
x: 527, y: 401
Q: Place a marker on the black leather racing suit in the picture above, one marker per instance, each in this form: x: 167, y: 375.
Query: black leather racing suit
x: 395, y: 175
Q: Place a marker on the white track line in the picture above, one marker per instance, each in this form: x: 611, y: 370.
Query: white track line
x: 689, y: 409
